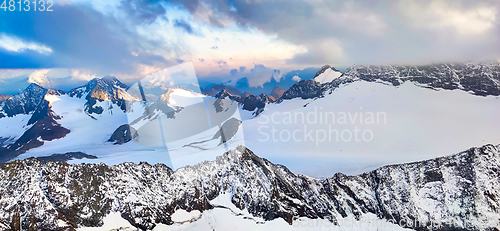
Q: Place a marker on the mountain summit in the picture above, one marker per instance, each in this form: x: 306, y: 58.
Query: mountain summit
x: 98, y: 90
x: 23, y: 103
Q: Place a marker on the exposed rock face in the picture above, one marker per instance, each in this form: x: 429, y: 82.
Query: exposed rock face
x: 225, y: 94
x: 98, y: 90
x: 42, y: 124
x: 305, y: 89
x: 44, y: 128
x: 23, y: 103
x: 250, y: 102
x: 4, y: 97
x: 276, y: 93
x: 459, y: 192
x: 123, y: 134
x: 65, y: 157
x: 253, y: 102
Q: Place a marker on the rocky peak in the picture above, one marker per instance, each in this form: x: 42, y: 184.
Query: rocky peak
x: 165, y: 97
x: 223, y: 94
x: 44, y: 127
x: 276, y: 93
x: 55, y: 92
x: 304, y: 89
x: 98, y: 90
x: 106, y: 88
x: 325, y: 68
x: 34, y: 88
x: 4, y: 97
x: 23, y: 103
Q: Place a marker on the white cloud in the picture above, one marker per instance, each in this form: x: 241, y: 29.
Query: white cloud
x: 237, y: 46
x: 261, y: 74
x: 40, y: 77
x: 445, y: 15
x: 82, y: 74
x: 15, y: 44
x: 355, y: 18
x: 296, y: 78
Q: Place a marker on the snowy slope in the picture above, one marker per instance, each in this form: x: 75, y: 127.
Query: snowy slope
x: 90, y: 132
x: 327, y: 76
x: 223, y: 219
x: 183, y: 98
x: 420, y: 123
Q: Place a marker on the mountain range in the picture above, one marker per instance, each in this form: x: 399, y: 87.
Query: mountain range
x: 66, y: 188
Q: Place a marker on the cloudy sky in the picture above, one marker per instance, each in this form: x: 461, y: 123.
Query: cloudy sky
x: 256, y: 40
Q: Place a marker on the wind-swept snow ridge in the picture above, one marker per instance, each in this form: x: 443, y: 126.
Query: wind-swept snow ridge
x: 458, y: 192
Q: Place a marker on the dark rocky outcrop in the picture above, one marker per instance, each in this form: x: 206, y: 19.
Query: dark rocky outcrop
x: 65, y: 157
x: 276, y: 93
x: 123, y: 134
x: 305, y: 89
x: 249, y: 102
x: 44, y: 128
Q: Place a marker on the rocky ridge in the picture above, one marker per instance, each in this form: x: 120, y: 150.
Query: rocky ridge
x: 458, y: 192
x: 479, y: 78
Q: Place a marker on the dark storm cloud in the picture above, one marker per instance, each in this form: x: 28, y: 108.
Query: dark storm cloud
x: 79, y: 37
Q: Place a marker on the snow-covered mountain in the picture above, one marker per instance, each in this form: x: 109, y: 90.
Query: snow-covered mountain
x: 103, y: 117
x: 457, y: 192
x: 312, y: 128
x: 107, y: 88
x: 107, y: 131
x: 479, y: 78
x: 28, y: 122
x: 327, y: 74
x: 23, y: 103
x: 108, y: 120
